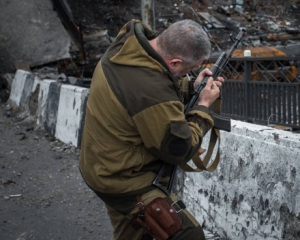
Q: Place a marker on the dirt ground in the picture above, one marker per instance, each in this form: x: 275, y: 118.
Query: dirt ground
x: 42, y: 195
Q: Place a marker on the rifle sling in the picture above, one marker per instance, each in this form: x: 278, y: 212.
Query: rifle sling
x: 203, y: 164
x: 214, y: 137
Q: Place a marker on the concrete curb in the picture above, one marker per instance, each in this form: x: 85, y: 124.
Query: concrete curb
x: 59, y: 108
x: 24, y: 88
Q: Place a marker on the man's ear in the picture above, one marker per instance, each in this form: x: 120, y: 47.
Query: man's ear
x: 174, y: 62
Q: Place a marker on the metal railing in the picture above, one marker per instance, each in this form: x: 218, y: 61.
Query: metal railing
x: 263, y: 90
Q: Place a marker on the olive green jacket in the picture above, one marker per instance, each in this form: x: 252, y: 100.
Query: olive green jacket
x: 135, y: 117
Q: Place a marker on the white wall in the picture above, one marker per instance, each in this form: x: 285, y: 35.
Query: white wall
x: 255, y: 191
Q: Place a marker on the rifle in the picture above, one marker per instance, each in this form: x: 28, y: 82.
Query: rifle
x: 220, y: 122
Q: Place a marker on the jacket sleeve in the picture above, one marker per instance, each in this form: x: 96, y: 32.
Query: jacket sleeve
x: 169, y: 135
x: 187, y: 89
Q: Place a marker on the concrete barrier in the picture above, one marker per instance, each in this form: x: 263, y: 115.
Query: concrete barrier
x: 24, y: 90
x: 255, y: 191
x: 70, y: 114
x: 253, y: 194
x: 60, y: 109
x: 42, y: 115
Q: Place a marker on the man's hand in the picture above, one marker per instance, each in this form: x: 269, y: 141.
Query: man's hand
x: 212, y: 89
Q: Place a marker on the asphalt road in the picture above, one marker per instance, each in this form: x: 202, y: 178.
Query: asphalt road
x: 42, y: 194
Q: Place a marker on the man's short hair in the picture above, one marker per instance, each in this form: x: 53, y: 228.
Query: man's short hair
x: 186, y: 40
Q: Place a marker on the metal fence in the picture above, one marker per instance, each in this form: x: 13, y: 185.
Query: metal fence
x: 263, y: 90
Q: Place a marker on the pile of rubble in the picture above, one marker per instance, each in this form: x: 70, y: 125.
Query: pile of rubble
x: 93, y: 25
x: 266, y: 24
